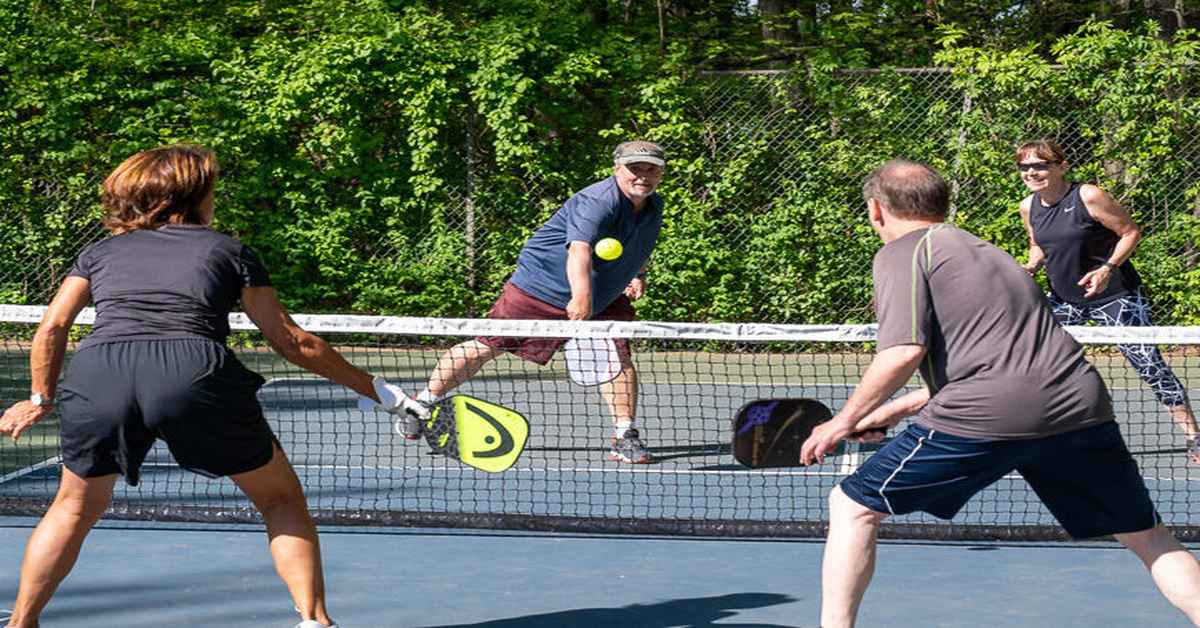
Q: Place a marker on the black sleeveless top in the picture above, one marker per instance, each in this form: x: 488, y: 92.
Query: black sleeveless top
x: 177, y: 281
x: 1075, y: 244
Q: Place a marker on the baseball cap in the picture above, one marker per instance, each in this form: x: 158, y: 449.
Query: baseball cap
x: 639, y: 151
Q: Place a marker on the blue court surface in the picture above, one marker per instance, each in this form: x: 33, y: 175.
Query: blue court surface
x: 137, y: 575
x: 158, y: 574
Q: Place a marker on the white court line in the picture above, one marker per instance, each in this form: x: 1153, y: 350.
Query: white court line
x: 273, y: 380
x: 462, y: 469
x: 515, y: 470
x: 850, y: 459
x: 31, y: 468
x: 547, y: 470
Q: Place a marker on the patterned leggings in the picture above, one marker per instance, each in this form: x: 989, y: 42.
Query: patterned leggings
x: 1130, y: 311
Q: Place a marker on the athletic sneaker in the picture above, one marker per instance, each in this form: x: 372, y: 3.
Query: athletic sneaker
x: 1193, y: 451
x: 410, y: 414
x: 312, y: 623
x: 629, y: 448
x: 415, y: 415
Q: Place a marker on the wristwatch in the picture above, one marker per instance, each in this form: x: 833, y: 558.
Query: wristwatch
x: 38, y: 399
x: 1110, y: 265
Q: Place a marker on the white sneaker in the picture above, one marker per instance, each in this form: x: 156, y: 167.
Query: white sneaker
x: 312, y: 623
x: 411, y: 423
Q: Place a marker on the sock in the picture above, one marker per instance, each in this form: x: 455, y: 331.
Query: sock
x: 620, y: 426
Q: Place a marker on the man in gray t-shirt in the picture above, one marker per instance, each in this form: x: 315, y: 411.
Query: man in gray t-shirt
x: 1007, y: 371
x: 1006, y: 389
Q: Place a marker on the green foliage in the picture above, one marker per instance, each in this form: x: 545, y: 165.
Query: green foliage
x: 392, y: 156
x: 1124, y: 104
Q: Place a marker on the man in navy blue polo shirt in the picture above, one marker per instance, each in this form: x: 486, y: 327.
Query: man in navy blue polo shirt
x: 559, y: 277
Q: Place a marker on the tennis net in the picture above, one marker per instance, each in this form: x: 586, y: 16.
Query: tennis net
x: 692, y: 379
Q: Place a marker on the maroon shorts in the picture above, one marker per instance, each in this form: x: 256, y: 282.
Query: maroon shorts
x: 518, y: 304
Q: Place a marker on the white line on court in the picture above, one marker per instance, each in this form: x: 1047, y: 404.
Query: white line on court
x: 515, y: 470
x: 464, y: 470
x: 30, y: 469
x: 648, y: 471
x: 547, y: 470
x: 850, y: 460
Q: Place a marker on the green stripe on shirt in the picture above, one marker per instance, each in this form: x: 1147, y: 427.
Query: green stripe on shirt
x: 928, y: 242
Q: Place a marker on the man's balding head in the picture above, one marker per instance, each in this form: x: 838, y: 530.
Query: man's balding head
x: 909, y: 189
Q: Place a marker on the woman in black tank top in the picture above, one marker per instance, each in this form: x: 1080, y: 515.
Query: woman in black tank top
x: 1084, y: 239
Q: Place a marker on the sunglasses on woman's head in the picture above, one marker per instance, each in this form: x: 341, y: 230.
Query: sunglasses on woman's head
x: 1036, y: 166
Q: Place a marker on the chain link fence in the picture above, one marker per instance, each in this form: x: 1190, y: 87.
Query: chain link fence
x: 798, y: 141
x: 765, y: 220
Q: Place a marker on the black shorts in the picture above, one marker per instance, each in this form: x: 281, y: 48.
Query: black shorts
x: 1086, y: 478
x: 118, y: 397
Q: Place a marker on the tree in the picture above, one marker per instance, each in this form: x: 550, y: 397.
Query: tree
x: 780, y: 22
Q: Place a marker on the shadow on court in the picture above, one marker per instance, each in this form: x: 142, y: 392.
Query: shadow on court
x: 222, y: 595
x: 701, y: 612
x: 662, y: 454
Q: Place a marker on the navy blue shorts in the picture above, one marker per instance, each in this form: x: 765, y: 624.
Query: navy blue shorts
x: 1087, y: 478
x: 119, y: 397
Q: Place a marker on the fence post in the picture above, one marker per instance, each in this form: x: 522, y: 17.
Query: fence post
x: 960, y: 146
x: 469, y: 235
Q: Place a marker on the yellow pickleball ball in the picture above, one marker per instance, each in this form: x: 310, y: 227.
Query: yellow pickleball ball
x: 608, y: 249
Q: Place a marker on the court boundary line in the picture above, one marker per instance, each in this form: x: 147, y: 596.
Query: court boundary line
x: 851, y: 458
x: 546, y: 470
x: 1011, y: 476
x: 464, y: 469
x: 644, y: 471
x: 37, y: 466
